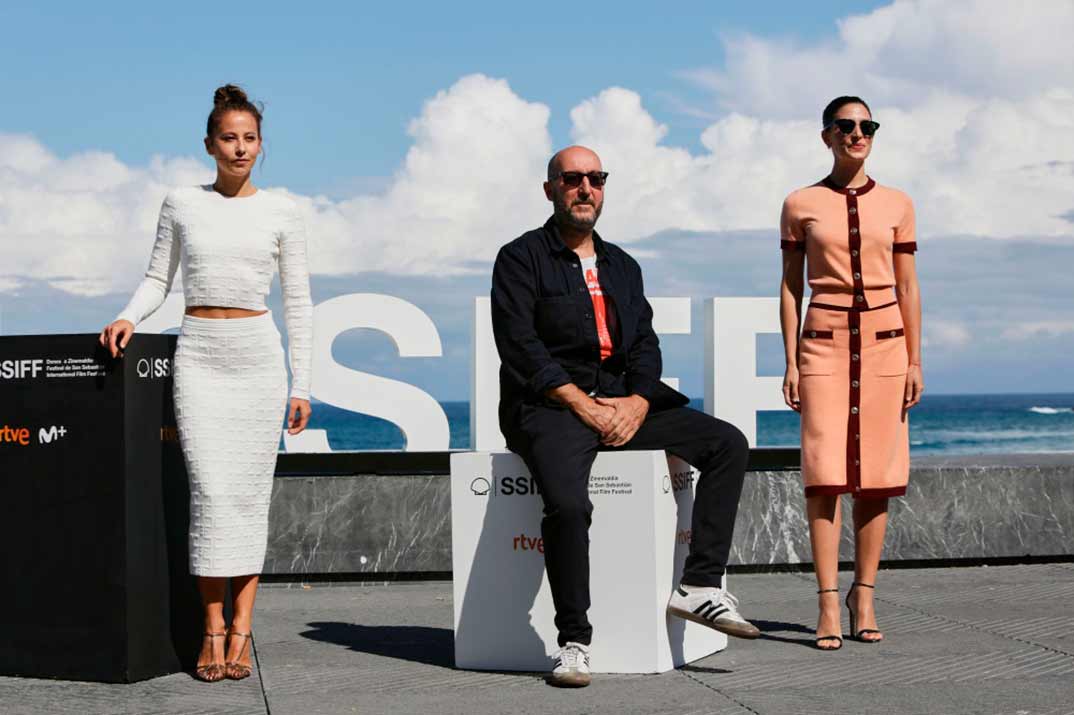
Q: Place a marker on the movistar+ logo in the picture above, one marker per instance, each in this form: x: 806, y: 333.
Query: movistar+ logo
x: 44, y: 436
x: 21, y: 435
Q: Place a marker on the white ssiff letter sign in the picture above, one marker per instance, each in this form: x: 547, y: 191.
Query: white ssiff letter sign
x: 733, y: 390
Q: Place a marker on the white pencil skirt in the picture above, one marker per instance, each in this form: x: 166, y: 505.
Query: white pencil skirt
x: 230, y: 402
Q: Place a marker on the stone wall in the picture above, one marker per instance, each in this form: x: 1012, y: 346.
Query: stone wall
x: 995, y: 506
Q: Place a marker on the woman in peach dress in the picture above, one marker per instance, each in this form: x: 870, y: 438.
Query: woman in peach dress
x: 854, y: 370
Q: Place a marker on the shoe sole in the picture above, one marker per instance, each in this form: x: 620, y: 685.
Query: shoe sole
x: 732, y: 629
x: 568, y: 681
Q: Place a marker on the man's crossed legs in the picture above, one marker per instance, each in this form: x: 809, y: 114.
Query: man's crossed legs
x: 559, y: 450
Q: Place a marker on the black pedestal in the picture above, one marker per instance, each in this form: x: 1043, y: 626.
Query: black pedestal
x: 93, y: 513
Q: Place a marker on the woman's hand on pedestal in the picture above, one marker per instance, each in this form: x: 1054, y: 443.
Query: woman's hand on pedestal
x: 115, y: 336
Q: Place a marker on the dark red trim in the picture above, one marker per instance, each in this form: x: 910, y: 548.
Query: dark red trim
x: 881, y: 493
x: 853, y: 410
x: 792, y: 245
x: 836, y: 489
x: 818, y: 334
x: 863, y: 189
x: 825, y: 306
x: 907, y: 247
x: 826, y: 490
x: 885, y: 334
x: 850, y: 309
x: 854, y: 239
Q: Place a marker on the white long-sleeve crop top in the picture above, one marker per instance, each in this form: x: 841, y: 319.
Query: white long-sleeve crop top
x: 229, y: 249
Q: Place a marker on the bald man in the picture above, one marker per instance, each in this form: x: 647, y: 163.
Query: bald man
x: 580, y: 373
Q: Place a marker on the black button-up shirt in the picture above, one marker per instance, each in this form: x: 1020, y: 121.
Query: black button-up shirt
x: 546, y: 333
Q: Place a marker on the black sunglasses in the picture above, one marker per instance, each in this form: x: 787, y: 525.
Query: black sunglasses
x: 574, y: 178
x: 846, y: 126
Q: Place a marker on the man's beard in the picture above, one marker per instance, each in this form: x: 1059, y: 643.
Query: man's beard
x: 565, y: 216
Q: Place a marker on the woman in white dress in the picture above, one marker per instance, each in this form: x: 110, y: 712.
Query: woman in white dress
x: 230, y: 380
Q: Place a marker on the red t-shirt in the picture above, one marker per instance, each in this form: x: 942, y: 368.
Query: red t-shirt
x: 600, y: 312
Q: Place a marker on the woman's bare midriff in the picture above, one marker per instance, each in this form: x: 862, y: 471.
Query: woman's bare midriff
x: 212, y: 311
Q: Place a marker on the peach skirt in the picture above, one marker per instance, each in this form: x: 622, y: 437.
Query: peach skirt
x: 852, y: 377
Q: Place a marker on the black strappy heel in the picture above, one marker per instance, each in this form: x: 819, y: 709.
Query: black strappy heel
x: 828, y: 638
x: 855, y: 633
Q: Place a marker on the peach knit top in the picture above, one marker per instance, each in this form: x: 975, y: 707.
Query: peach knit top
x: 849, y: 250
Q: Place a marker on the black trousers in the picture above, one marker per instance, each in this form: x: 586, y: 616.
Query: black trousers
x: 559, y: 450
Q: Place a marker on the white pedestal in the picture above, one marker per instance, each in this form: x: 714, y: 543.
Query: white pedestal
x: 638, y: 541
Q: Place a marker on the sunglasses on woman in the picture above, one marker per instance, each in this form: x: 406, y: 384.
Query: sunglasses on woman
x: 846, y: 126
x: 573, y: 179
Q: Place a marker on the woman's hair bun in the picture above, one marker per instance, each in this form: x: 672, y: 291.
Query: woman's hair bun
x: 231, y: 97
x: 229, y: 94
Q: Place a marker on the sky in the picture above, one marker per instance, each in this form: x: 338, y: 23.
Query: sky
x: 415, y: 136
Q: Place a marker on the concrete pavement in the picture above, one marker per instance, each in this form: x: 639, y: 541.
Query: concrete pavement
x: 979, y: 640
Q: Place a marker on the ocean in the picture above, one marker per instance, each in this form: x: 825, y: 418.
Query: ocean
x: 941, y: 424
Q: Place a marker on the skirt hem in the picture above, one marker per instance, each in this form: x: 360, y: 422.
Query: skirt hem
x: 836, y: 489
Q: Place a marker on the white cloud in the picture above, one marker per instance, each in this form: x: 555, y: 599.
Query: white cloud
x: 977, y: 126
x: 993, y: 168
x: 900, y: 54
x: 945, y: 334
x: 81, y: 223
x: 470, y: 182
x: 1038, y: 329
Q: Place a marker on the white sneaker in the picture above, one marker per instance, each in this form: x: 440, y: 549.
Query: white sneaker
x: 572, y: 667
x: 712, y: 607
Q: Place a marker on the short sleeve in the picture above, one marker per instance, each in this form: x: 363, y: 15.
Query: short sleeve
x: 905, y: 232
x: 791, y: 237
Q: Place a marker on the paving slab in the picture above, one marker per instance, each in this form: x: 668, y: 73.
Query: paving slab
x: 979, y: 640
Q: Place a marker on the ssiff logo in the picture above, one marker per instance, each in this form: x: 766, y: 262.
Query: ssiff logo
x: 18, y: 369
x: 504, y: 486
x: 157, y: 367
x: 681, y: 480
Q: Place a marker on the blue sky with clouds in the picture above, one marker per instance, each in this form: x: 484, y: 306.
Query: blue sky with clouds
x: 341, y: 80
x: 415, y: 135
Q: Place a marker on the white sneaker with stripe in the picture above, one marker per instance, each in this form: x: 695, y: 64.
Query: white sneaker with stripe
x: 712, y: 607
x: 572, y: 667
